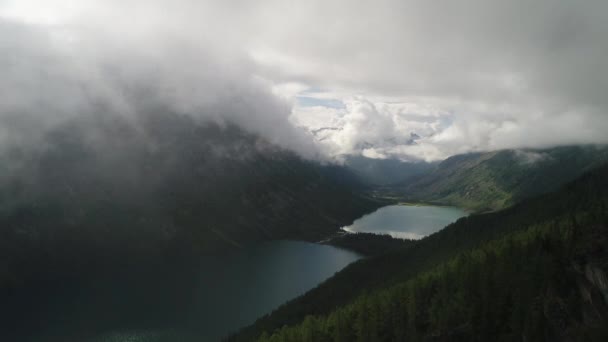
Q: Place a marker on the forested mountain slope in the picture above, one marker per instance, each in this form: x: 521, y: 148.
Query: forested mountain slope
x: 109, y: 197
x: 547, y: 283
x: 547, y: 253
x: 495, y: 180
x: 168, y: 175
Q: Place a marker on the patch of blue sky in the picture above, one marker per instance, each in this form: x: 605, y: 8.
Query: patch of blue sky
x: 309, y: 101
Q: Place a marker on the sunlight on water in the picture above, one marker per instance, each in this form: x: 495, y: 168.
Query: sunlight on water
x: 406, y: 222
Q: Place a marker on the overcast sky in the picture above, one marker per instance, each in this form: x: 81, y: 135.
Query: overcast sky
x: 383, y: 78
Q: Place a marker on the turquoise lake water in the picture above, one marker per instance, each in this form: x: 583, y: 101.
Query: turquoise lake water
x: 407, y: 221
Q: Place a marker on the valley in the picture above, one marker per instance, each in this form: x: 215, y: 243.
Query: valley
x: 303, y: 171
x: 174, y: 287
x: 544, y: 246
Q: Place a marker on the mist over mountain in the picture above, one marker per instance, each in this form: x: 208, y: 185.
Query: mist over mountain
x: 382, y: 172
x: 268, y: 67
x: 163, y: 172
x: 56, y: 75
x: 143, y: 139
x: 106, y: 198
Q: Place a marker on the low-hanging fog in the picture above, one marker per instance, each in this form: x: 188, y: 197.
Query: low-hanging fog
x: 125, y: 60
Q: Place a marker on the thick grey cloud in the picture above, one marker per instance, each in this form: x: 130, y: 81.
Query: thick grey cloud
x: 464, y: 76
x: 124, y: 58
x: 469, y: 48
x: 505, y: 73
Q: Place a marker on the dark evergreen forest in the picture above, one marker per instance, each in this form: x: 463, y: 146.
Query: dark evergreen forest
x: 535, y: 271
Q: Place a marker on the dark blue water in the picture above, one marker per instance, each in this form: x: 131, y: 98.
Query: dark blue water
x: 407, y: 221
x: 220, y: 293
x: 234, y: 289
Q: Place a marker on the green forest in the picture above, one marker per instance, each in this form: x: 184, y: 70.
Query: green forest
x: 535, y: 271
x: 495, y: 180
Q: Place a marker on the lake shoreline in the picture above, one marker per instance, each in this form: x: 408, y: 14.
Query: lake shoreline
x: 375, y: 238
x: 407, y: 220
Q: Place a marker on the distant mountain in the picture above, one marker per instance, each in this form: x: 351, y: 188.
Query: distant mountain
x: 495, y: 180
x: 535, y: 271
x: 384, y: 172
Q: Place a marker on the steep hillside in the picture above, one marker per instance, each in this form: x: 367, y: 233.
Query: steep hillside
x: 579, y: 209
x: 109, y: 197
x: 545, y: 284
x: 168, y: 175
x: 495, y: 180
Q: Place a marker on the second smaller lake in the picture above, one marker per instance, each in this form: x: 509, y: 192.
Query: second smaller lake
x: 406, y: 221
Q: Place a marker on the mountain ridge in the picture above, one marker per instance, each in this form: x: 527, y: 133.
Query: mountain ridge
x: 583, y: 200
x: 487, y: 181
